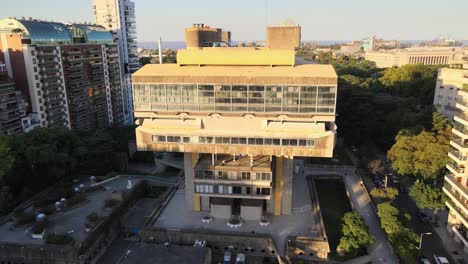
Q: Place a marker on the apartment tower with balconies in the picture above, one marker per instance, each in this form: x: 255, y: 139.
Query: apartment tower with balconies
x: 69, y: 73
x: 240, y: 115
x: 451, y: 99
x: 118, y: 16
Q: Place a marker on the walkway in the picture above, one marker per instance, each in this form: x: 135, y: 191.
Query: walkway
x: 381, y: 251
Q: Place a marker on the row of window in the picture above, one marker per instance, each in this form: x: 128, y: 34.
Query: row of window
x: 226, y: 189
x: 287, y: 142
x: 233, y: 175
x: 235, y: 98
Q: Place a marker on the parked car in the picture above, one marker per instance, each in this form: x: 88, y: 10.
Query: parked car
x: 395, y: 180
x: 240, y: 259
x: 423, y: 217
x: 403, y: 189
x: 227, y: 257
x: 441, y: 260
x: 424, y: 261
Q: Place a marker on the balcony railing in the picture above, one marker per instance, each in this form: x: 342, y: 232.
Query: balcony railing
x: 460, y: 143
x: 456, y: 168
x: 458, y: 211
x: 460, y: 128
x: 461, y: 101
x: 450, y: 179
x: 462, y: 116
x: 458, y: 154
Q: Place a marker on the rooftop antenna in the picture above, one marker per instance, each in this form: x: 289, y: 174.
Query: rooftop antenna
x: 160, y: 48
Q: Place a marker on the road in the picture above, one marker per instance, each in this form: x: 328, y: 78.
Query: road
x: 432, y: 244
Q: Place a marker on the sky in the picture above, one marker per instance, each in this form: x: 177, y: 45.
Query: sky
x: 320, y: 20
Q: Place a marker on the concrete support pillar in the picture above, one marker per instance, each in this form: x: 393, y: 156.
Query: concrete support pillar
x: 205, y: 203
x: 286, y: 197
x: 192, y: 201
x: 278, y: 185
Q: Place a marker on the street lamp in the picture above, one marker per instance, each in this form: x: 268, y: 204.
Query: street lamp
x: 420, y: 242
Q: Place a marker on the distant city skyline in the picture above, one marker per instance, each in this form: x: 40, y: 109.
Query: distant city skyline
x: 325, y: 20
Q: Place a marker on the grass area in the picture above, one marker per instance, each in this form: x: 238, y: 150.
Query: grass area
x: 334, y: 203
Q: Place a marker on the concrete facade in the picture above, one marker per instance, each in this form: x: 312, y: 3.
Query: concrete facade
x: 426, y: 56
x: 450, y: 82
x: 240, y: 115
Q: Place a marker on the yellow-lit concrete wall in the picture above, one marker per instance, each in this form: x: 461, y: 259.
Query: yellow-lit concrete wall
x: 287, y: 38
x: 235, y: 56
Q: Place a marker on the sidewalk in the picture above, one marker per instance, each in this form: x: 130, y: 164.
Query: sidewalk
x: 449, y: 243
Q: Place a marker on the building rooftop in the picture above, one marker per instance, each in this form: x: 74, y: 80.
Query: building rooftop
x: 175, y: 70
x: 68, y: 222
x: 46, y: 32
x: 143, y: 253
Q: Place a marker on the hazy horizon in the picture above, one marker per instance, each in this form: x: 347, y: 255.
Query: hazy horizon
x: 320, y: 21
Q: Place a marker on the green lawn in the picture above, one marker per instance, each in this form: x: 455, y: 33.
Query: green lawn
x: 334, y: 203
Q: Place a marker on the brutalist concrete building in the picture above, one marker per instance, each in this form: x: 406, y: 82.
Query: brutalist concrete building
x: 240, y: 115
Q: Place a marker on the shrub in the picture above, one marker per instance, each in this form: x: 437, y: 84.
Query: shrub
x: 24, y: 218
x: 76, y: 199
x: 58, y: 239
x: 39, y: 227
x: 92, y: 217
x: 111, y: 203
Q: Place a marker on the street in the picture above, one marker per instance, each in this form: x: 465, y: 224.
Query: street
x: 431, y: 244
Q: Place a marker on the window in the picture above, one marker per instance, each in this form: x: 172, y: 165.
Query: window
x: 259, y: 141
x: 247, y: 190
x: 259, y: 191
x: 251, y: 141
x: 161, y: 138
x: 208, y: 174
x: 265, y: 191
x: 245, y: 175
x: 186, y: 139
x: 226, y: 140
x: 237, y: 190
x: 199, y: 174
x: 276, y: 141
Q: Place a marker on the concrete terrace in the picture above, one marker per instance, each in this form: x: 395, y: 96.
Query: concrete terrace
x: 300, y: 223
x: 69, y: 222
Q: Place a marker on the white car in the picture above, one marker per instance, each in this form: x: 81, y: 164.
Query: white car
x: 424, y: 261
x: 240, y: 259
x: 441, y: 260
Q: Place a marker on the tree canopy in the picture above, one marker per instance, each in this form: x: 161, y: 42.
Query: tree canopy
x: 355, y: 233
x: 424, y: 154
x: 389, y: 193
x: 426, y: 196
x: 7, y: 158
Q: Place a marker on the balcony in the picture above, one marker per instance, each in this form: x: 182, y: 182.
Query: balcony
x: 450, y: 179
x: 457, y: 156
x: 459, y: 144
x: 457, y: 170
x: 456, y: 198
x: 460, y: 102
x: 460, y: 130
x: 454, y: 209
x: 461, y: 118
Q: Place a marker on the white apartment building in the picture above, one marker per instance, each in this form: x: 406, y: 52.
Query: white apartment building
x: 451, y: 99
x: 118, y: 16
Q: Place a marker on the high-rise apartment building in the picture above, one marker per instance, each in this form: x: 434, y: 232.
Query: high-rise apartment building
x: 10, y: 116
x: 118, y: 16
x: 70, y: 73
x: 451, y: 99
x: 240, y: 115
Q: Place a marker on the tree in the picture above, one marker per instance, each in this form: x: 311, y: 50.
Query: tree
x: 355, y: 233
x: 375, y: 167
x: 7, y: 159
x: 423, y: 155
x: 5, y: 198
x: 402, y: 238
x: 385, y: 193
x: 427, y: 197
